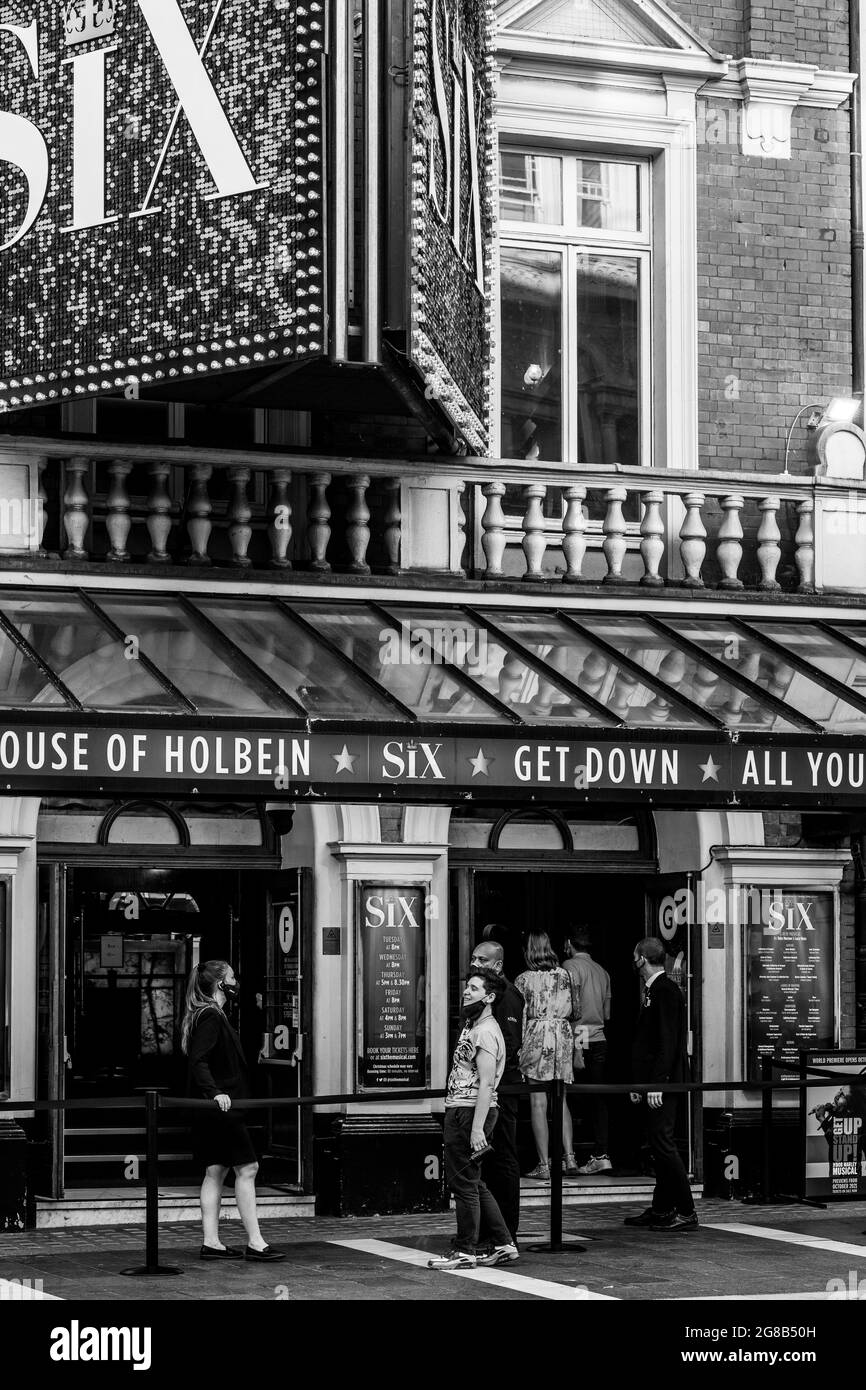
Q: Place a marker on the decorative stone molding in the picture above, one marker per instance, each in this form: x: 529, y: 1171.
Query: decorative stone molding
x: 770, y: 92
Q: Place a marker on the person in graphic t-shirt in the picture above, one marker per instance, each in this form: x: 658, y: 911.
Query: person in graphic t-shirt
x: 470, y: 1116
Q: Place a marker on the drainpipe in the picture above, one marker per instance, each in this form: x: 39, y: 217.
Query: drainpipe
x: 857, y: 355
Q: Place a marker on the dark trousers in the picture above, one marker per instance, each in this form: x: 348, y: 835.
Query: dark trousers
x: 672, y: 1191
x: 593, y: 1074
x: 501, y: 1169
x: 476, y: 1206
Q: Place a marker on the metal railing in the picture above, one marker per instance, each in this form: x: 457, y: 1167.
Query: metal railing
x: 154, y: 1103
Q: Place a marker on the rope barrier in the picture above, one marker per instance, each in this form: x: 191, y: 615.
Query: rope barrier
x: 153, y: 1103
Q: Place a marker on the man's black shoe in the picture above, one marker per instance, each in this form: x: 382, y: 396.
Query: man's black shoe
x: 650, y: 1218
x: 677, y: 1223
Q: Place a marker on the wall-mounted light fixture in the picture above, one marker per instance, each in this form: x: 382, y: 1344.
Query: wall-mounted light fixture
x: 837, y: 446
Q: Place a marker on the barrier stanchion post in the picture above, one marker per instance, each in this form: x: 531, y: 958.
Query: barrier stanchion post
x: 766, y: 1128
x: 151, y: 1268
x: 556, y: 1245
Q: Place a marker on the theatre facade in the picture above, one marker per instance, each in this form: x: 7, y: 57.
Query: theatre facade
x: 394, y: 542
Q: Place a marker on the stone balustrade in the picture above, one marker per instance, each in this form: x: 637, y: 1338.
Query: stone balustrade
x: 490, y: 519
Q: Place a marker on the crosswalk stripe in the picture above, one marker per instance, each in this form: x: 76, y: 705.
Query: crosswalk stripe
x: 840, y: 1247
x: 498, y: 1275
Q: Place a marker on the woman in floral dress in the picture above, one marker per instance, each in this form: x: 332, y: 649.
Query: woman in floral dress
x: 548, y: 1042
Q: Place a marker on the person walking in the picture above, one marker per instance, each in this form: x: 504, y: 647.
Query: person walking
x: 217, y: 1072
x: 548, y: 1043
x: 659, y: 1055
x: 470, y: 1116
x: 501, y: 1168
x: 590, y: 985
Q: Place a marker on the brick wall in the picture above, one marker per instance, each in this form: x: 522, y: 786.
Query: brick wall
x: 722, y: 26
x: 783, y: 29
x: 774, y: 285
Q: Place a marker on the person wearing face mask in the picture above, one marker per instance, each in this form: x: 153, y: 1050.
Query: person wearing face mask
x: 659, y: 1055
x: 217, y: 1072
x: 470, y: 1117
x: 501, y: 1169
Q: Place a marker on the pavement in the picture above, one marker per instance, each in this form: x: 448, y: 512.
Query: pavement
x: 740, y: 1252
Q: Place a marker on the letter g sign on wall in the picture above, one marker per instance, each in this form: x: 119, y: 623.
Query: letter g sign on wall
x: 161, y: 191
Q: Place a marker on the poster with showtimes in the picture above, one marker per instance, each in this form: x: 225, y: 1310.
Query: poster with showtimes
x: 392, y: 943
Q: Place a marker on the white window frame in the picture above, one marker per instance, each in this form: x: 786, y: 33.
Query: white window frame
x: 569, y: 239
x: 668, y: 141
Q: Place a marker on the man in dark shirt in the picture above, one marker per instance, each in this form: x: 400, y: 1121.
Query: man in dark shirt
x: 501, y: 1168
x: 659, y: 1055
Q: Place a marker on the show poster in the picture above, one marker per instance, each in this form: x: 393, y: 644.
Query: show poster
x: 790, y: 979
x: 393, y: 1013
x: 834, y: 1127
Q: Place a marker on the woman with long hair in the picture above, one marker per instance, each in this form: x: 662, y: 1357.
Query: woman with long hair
x: 548, y: 1043
x: 217, y: 1072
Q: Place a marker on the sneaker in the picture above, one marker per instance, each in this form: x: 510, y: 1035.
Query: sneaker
x: 602, y: 1164
x: 650, y: 1218
x: 500, y: 1255
x: 455, y: 1259
x: 677, y: 1222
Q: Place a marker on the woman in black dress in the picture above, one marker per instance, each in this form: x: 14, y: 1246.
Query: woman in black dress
x: 217, y: 1072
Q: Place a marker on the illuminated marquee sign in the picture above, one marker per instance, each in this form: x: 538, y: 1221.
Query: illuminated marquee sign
x: 452, y: 199
x: 161, y: 191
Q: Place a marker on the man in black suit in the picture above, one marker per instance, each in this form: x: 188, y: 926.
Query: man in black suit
x: 659, y: 1055
x: 502, y: 1167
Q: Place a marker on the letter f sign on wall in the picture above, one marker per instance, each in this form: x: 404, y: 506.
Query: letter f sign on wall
x: 199, y: 102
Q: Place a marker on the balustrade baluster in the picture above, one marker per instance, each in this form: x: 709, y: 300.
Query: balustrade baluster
x: 769, y: 549
x: 76, y: 509
x: 493, y: 528
x: 358, y: 523
x: 574, y: 539
x: 118, y: 522
x: 199, y: 508
x: 652, y: 546
x: 319, y: 522
x: 804, y: 555
x: 280, y: 527
x: 729, y: 550
x: 693, y: 540
x: 393, y: 524
x: 534, y: 539
x: 159, y: 513
x: 239, y: 514
x: 614, y: 545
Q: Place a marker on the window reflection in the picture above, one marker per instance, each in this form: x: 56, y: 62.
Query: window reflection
x: 530, y: 187
x: 608, y: 359
x: 531, y: 288
x: 608, y: 195
x: 82, y: 651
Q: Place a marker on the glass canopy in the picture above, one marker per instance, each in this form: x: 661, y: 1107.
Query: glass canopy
x: 320, y: 659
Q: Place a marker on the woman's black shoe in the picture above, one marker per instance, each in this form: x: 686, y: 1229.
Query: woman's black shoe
x: 270, y: 1252
x: 208, y: 1252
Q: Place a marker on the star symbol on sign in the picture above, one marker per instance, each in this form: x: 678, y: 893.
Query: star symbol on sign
x: 481, y: 764
x: 345, y: 761
x: 710, y: 770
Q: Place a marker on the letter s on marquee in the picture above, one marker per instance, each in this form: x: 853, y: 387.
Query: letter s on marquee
x: 21, y: 143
